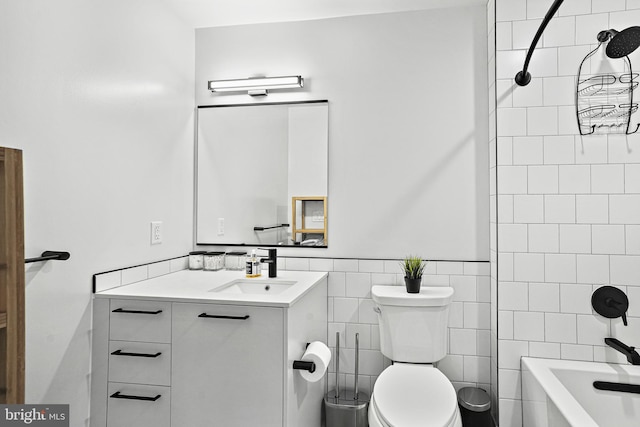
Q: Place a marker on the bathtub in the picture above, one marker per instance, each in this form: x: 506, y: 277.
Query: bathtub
x: 560, y: 393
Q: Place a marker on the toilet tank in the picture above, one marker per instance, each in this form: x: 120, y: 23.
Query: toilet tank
x: 413, y: 327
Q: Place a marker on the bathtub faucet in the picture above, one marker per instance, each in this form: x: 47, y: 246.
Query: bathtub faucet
x: 630, y: 352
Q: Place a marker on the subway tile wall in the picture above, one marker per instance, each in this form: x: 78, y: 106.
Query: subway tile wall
x: 350, y: 311
x: 568, y: 206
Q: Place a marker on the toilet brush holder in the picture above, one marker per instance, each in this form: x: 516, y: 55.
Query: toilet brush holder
x: 346, y: 408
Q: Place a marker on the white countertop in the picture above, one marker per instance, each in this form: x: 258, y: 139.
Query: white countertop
x: 196, y: 286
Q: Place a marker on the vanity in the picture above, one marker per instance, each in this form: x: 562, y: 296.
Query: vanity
x: 194, y: 349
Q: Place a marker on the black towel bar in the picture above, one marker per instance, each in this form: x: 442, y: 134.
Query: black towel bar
x: 48, y: 255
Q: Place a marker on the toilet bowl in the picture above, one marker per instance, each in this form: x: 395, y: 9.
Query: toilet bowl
x: 413, y: 333
x: 409, y: 395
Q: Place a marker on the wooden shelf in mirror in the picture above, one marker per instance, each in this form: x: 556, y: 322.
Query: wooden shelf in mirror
x: 3, y: 320
x: 300, y: 215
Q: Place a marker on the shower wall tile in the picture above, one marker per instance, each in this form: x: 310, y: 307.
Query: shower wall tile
x: 578, y: 197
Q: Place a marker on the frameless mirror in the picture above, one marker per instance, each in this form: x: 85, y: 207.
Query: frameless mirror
x: 261, y: 175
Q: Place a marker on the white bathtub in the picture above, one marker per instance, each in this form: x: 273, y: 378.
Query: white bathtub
x: 560, y: 393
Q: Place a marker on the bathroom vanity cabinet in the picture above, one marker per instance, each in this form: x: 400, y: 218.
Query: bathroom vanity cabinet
x: 180, y: 362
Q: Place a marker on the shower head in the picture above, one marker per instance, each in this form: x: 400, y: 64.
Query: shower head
x: 623, y: 43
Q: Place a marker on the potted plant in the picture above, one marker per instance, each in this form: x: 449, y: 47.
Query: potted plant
x: 413, y: 266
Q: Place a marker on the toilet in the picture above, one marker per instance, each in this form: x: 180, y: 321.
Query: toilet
x: 413, y: 334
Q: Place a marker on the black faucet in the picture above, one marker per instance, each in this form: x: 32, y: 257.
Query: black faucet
x: 630, y: 352
x: 272, y: 260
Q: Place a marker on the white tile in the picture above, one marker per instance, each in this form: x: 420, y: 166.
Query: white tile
x: 568, y: 59
x: 503, y: 41
x: 512, y: 10
x: 477, y: 369
x: 358, y: 285
x: 598, y: 6
x: 528, y: 209
x: 560, y: 32
x: 542, y: 120
x: 528, y: 267
x: 505, y: 209
x: 575, y: 7
x: 510, y: 413
x: 560, y: 209
x: 559, y: 91
x: 559, y: 150
x: 347, y: 265
x: 505, y: 320
x: 513, y: 296
x: 159, y: 269
x: 365, y: 312
x: 527, y: 150
x: 464, y: 287
x: 545, y: 65
x: 384, y: 279
x: 619, y: 151
x: 298, y: 264
x: 528, y: 326
x: 370, y: 266
x: 510, y: 353
x: 574, y: 179
x: 567, y: 123
x: 588, y: 26
x: 453, y: 367
x: 477, y: 315
x: 364, y: 335
x: 591, y: 150
x: 345, y: 310
x: 483, y: 289
x: 109, y: 280
x: 536, y: 9
x: 592, y: 209
x: 178, y: 264
x: 575, y: 238
x: 575, y: 298
x: 321, y: 264
x: 512, y: 180
x: 332, y: 329
x: 560, y: 327
x: 476, y: 268
x: 462, y: 341
x: 456, y: 314
x: 547, y: 350
x: 449, y: 267
x: 504, y: 93
x: 632, y: 239
x: 505, y: 266
x: 512, y: 237
x: 523, y: 32
x: 529, y: 95
x: 592, y: 330
x: 375, y: 337
x: 544, y: 297
x: 560, y: 268
x: 627, y: 334
x: 632, y: 178
x: 135, y: 274
x: 624, y: 19
x: 608, y: 239
x: 542, y: 179
x: 593, y: 269
x: 625, y: 209
x: 625, y: 270
x: 394, y: 266
x: 337, y: 284
x: 576, y: 352
x: 543, y: 238
x: 607, y: 179
x: 483, y: 338
x: 512, y: 121
x: 509, y: 383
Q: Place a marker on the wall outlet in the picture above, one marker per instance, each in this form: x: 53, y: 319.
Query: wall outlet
x: 156, y: 232
x: 220, y: 226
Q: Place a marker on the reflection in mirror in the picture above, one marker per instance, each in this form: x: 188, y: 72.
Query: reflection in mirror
x: 261, y: 174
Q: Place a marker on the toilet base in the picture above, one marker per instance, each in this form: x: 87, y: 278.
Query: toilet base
x: 375, y: 421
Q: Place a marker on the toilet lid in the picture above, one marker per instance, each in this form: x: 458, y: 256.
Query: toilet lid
x: 415, y: 395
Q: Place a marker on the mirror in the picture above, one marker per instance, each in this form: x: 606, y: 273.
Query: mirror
x: 261, y: 174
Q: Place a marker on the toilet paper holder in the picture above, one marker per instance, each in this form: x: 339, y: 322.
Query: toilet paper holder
x: 304, y: 365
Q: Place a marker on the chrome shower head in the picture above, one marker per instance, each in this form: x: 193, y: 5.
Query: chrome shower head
x: 622, y: 43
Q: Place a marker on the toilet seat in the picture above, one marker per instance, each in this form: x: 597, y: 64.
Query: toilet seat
x: 406, y: 395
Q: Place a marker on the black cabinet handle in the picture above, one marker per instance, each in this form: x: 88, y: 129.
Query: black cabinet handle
x: 218, y: 316
x: 122, y: 310
x: 124, y: 353
x: 117, y: 395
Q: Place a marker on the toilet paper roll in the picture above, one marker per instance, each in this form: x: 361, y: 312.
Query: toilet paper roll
x: 318, y: 353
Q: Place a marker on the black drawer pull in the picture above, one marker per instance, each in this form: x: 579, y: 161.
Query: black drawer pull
x: 218, y: 316
x: 117, y: 395
x: 124, y: 353
x: 122, y: 310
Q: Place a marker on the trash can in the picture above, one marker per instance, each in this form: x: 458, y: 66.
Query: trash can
x: 475, y: 407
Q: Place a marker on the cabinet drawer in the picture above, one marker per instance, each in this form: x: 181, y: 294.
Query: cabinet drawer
x: 141, y: 363
x: 133, y: 320
x: 132, y: 405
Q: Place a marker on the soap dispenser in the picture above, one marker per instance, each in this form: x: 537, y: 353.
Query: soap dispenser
x: 253, y: 265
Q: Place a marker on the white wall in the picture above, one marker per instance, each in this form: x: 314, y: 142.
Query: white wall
x: 99, y: 97
x: 407, y: 122
x: 568, y: 206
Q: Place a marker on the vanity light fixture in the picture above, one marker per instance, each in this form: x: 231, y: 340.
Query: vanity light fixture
x: 256, y: 85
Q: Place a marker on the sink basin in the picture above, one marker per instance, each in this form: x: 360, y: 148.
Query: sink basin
x: 254, y: 287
